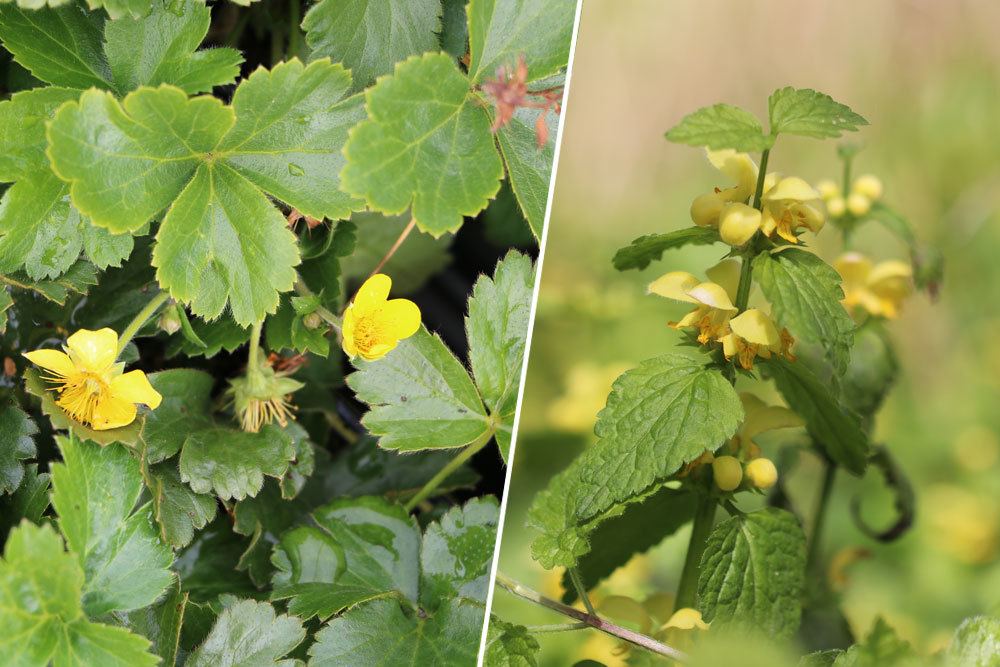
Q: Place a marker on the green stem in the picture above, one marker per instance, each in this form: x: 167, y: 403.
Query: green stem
x: 848, y: 221
x: 590, y: 620
x: 556, y: 627
x: 333, y: 320
x: 761, y: 175
x: 819, y: 516
x: 294, y: 34
x: 687, y: 589
x: 746, y: 272
x: 448, y: 469
x: 581, y: 590
x: 140, y: 319
x: 252, y: 360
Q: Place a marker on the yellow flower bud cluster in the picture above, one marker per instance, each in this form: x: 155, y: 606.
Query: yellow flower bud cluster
x: 865, y: 190
x: 729, y: 473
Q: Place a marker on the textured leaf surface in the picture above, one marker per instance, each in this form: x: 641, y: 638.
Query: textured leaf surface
x: 496, y: 328
x: 420, y: 397
x: 184, y: 409
x: 834, y: 427
x: 456, y: 553
x: 249, y: 633
x: 160, y: 623
x: 29, y: 501
x: 502, y: 30
x: 178, y: 510
x: 40, y: 589
x: 426, y: 145
x: 805, y: 294
x: 94, y: 491
x: 646, y: 249
x: 370, y: 36
x: 721, y: 126
x: 381, y: 632
x: 528, y: 166
x: 810, y: 113
x: 882, y: 647
x: 233, y: 463
x: 976, y: 642
x: 509, y: 645
x: 659, y: 416
x: 17, y: 443
x: 753, y: 573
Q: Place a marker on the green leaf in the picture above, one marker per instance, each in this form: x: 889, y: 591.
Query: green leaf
x: 976, y: 642
x: 721, y: 126
x: 509, y: 645
x: 528, y: 166
x: 753, y: 573
x: 381, y: 632
x: 207, y: 568
x: 322, y: 271
x: 425, y: 145
x: 221, y: 241
x: 185, y: 408
x: 17, y: 442
x: 454, y: 28
x: 496, y: 328
x: 805, y: 294
x: 456, y: 553
x: 233, y: 463
x: 40, y: 589
x: 39, y: 227
x: 834, y: 427
x: 420, y: 397
x: 370, y: 36
x: 363, y: 548
x: 502, y: 30
x: 178, y: 510
x: 22, y: 129
x: 811, y: 114
x: 872, y: 371
x: 160, y: 623
x: 94, y: 491
x: 35, y: 386
x: 119, y: 8
x: 302, y: 466
x: 641, y: 526
x: 659, y: 417
x: 29, y: 501
x: 249, y: 633
x: 646, y: 249
x: 217, y: 335
x: 102, y: 247
x: 881, y: 648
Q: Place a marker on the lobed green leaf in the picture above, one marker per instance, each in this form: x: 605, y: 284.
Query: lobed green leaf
x: 17, y: 443
x: 721, y: 126
x: 810, y: 113
x: 249, y: 633
x: 649, y: 248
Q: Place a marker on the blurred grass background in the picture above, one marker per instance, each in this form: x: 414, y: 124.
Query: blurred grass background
x: 926, y: 74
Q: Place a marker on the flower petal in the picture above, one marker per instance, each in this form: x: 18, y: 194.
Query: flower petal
x: 54, y: 361
x: 113, y: 413
x: 347, y: 332
x: 377, y: 351
x: 712, y: 295
x: 769, y: 418
x: 727, y: 274
x: 738, y: 223
x: 372, y: 293
x: 741, y: 170
x: 854, y: 268
x: 792, y: 188
x: 399, y: 318
x: 94, y: 351
x: 705, y: 209
x: 674, y: 285
x: 755, y: 327
x: 134, y: 387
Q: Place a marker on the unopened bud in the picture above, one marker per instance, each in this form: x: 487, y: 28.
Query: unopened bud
x: 728, y: 472
x: 827, y: 189
x: 869, y: 186
x: 836, y: 207
x: 705, y: 209
x: 170, y: 321
x: 762, y: 473
x: 858, y: 204
x: 312, y: 321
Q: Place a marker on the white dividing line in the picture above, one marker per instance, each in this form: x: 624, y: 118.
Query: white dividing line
x: 531, y: 328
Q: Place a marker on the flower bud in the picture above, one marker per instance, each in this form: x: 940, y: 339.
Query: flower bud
x: 762, y: 473
x: 738, y: 223
x: 686, y: 618
x: 728, y: 472
x: 858, y: 204
x: 705, y: 209
x: 312, y: 321
x: 827, y: 189
x: 836, y: 206
x: 868, y: 185
x: 169, y: 321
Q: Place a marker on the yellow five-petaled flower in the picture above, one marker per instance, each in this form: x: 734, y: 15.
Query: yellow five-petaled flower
x: 374, y: 324
x: 91, y: 386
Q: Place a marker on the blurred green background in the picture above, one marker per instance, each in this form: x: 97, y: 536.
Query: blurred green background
x: 926, y: 74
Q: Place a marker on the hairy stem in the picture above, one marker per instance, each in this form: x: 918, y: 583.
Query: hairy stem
x: 687, y: 589
x: 591, y: 620
x: 761, y: 175
x: 448, y: 469
x: 140, y: 319
x: 294, y: 33
x: 252, y: 362
x: 395, y: 246
x: 581, y: 590
x: 556, y: 627
x: 819, y: 516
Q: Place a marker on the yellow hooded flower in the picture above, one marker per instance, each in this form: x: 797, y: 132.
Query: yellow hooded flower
x: 91, y: 386
x: 713, y: 299
x: 759, y: 417
x: 789, y: 205
x: 739, y: 168
x: 878, y: 288
x: 753, y: 334
x: 374, y: 324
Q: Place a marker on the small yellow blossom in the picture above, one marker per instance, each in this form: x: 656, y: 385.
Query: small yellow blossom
x: 713, y: 299
x: 91, y: 386
x: 738, y: 223
x: 868, y: 186
x: 753, y: 334
x: 865, y: 190
x: 880, y: 289
x: 739, y: 168
x: 374, y: 324
x: 788, y: 206
x: 727, y: 472
x: 686, y: 619
x: 762, y: 473
x: 760, y: 418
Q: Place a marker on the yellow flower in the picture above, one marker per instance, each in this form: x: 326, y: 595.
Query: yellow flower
x: 738, y: 167
x: 686, y: 619
x: 865, y: 190
x: 713, y: 299
x: 760, y: 418
x: 879, y: 288
x: 789, y: 205
x: 753, y: 334
x: 762, y: 473
x: 727, y: 471
x: 91, y: 386
x: 374, y: 324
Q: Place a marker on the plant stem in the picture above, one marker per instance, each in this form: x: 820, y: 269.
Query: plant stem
x: 395, y: 246
x: 819, y: 516
x: 590, y: 620
x: 294, y: 34
x: 581, y: 590
x: 687, y: 589
x: 743, y: 291
x: 449, y: 468
x: 140, y: 319
x: 761, y: 175
x: 333, y: 320
x: 556, y: 627
x: 252, y: 363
